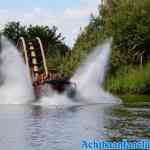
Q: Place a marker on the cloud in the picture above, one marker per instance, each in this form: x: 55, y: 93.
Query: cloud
x: 76, y: 18
x: 69, y: 21
x: 77, y: 13
x: 38, y: 16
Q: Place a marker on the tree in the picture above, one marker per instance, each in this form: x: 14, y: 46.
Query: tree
x: 13, y: 30
x: 128, y: 23
x: 53, y: 43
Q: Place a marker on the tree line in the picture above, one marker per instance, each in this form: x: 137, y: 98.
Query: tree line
x: 126, y: 21
x: 53, y: 42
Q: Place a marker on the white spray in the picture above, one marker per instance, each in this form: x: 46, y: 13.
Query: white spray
x: 88, y: 79
x: 16, y: 86
x: 90, y: 76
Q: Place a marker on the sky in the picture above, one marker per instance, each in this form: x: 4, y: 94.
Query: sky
x: 68, y: 15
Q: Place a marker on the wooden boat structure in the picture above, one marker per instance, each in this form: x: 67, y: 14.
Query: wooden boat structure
x: 35, y: 60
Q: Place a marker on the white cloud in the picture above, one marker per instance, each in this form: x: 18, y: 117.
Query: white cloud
x: 77, y: 13
x: 38, y: 16
x: 68, y: 22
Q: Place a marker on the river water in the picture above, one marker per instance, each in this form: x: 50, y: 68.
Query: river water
x: 28, y: 127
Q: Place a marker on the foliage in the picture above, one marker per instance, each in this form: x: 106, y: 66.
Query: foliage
x: 131, y: 80
x: 53, y: 43
x: 128, y: 22
x: 135, y: 100
x: 13, y: 30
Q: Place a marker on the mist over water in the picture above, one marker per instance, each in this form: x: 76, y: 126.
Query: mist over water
x: 15, y: 83
x: 88, y: 79
x: 52, y: 97
x: 94, y: 67
x: 90, y: 76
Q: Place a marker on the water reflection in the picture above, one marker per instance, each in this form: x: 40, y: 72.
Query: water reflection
x: 25, y: 127
x: 128, y: 122
x: 12, y: 127
x: 64, y: 128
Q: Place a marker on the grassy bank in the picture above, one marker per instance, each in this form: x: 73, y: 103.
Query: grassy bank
x: 130, y: 80
x: 135, y: 99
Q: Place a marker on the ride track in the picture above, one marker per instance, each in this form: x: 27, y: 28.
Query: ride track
x: 35, y: 60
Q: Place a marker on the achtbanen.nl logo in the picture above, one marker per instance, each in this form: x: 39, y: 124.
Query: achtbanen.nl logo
x: 121, y: 145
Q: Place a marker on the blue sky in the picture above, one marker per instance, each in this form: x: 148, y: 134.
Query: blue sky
x: 67, y: 15
x: 47, y: 4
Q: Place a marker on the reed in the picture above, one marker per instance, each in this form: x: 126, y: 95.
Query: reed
x: 130, y: 80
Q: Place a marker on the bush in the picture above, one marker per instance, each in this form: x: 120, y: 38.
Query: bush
x: 131, y: 80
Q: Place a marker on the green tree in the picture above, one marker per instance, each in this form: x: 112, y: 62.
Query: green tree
x: 13, y: 30
x: 128, y: 23
x: 53, y: 43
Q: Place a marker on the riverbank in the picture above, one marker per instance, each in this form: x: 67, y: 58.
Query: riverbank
x: 135, y: 99
x: 130, y: 80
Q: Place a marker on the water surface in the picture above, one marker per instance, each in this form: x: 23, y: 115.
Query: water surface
x: 26, y: 127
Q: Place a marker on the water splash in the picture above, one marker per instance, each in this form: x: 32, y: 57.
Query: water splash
x: 94, y: 68
x: 88, y: 78
x: 16, y: 86
x: 15, y: 83
x: 52, y: 97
